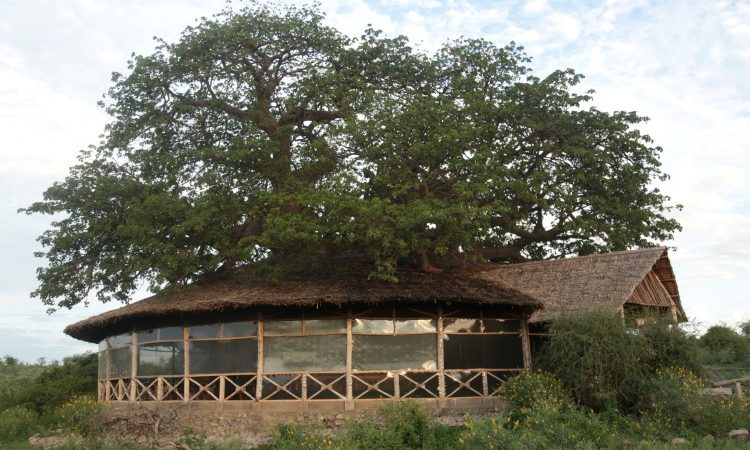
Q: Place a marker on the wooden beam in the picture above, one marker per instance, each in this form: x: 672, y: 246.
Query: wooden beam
x: 440, y: 353
x: 133, y: 365
x: 349, y: 403
x: 526, y: 344
x: 186, y: 365
x: 259, y: 368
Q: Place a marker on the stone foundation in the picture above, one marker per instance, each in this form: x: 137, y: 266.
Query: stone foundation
x: 168, y: 420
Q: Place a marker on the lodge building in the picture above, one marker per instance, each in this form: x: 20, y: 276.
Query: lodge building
x: 343, y: 342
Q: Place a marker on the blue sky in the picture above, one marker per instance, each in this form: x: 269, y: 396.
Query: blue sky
x: 685, y: 64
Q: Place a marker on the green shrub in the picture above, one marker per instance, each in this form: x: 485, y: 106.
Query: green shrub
x: 675, y: 402
x: 410, y: 422
x: 607, y: 365
x: 17, y: 422
x: 535, y: 390
x: 666, y: 345
x: 725, y: 346
x: 55, y: 385
x: 82, y: 413
x: 745, y: 328
x: 597, y: 358
x: 300, y: 437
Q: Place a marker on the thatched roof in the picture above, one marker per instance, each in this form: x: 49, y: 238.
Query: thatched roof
x: 548, y: 288
x: 602, y: 282
x: 243, y: 292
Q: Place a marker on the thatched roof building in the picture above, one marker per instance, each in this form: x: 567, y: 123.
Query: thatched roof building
x: 602, y: 282
x: 243, y: 292
x: 339, y: 339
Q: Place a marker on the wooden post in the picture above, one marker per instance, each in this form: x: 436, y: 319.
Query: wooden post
x: 186, y: 364
x: 133, y: 365
x: 440, y: 353
x: 738, y: 390
x: 673, y: 312
x: 259, y: 369
x: 349, y: 403
x: 107, y: 376
x: 160, y: 389
x: 396, y: 384
x: 526, y: 344
x: 485, y: 384
x: 222, y: 387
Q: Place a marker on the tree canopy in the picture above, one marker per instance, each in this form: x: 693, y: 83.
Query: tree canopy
x: 265, y: 138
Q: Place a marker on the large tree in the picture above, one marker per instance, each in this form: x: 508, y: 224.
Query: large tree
x: 265, y: 138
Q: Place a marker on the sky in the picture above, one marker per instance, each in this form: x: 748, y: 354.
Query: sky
x: 685, y: 64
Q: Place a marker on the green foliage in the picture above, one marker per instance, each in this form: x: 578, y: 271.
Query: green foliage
x: 82, y: 413
x: 54, y: 386
x: 745, y: 328
x: 534, y: 391
x: 607, y: 365
x: 264, y: 136
x: 725, y: 346
x: 674, y: 403
x: 17, y: 422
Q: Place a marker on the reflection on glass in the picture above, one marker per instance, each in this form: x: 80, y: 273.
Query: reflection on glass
x: 238, y: 329
x: 372, y: 326
x: 325, y: 326
x: 416, y: 326
x: 498, y: 325
x: 483, y: 351
x: 146, y: 335
x: 170, y: 334
x: 205, y: 331
x: 102, y: 360
x: 417, y: 352
x: 119, y: 362
x: 165, y: 358
x: 462, y: 325
x: 282, y: 327
x: 304, y: 353
x: 224, y: 356
x: 120, y: 340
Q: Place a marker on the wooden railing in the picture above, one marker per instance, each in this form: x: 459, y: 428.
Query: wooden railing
x: 308, y: 386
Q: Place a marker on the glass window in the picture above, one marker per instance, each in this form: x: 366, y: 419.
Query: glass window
x: 337, y: 326
x: 462, y: 325
x: 418, y: 352
x: 416, y: 326
x: 239, y: 329
x: 224, y: 356
x: 146, y: 336
x: 205, y: 331
x: 120, y: 340
x: 119, y: 362
x: 501, y: 325
x: 170, y: 334
x: 282, y: 327
x: 304, y: 353
x: 483, y: 351
x: 163, y: 358
x: 372, y: 326
x: 102, y: 359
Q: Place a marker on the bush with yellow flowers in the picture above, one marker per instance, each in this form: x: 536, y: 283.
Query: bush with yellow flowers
x: 81, y: 413
x: 676, y: 401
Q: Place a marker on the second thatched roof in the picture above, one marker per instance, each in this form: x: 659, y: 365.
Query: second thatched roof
x: 602, y: 282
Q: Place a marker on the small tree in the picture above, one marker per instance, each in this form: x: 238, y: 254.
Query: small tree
x: 608, y: 365
x: 745, y: 328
